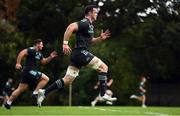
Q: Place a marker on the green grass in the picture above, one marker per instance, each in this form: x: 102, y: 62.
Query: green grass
x: 95, y: 111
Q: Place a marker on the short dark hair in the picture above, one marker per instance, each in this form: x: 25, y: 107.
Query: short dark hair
x: 89, y: 8
x: 36, y: 41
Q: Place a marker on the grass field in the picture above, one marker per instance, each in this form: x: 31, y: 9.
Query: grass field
x: 93, y: 111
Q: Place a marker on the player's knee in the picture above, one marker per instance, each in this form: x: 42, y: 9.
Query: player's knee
x: 103, y: 68
x: 96, y: 64
x: 14, y: 95
x: 72, y: 72
x: 109, y: 92
x: 45, y: 78
x: 68, y: 80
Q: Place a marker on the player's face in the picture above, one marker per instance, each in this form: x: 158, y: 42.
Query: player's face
x: 144, y: 79
x: 40, y: 46
x: 10, y: 80
x: 94, y: 14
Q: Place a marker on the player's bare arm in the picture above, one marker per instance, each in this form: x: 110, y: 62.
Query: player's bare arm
x: 48, y: 59
x: 103, y: 36
x: 21, y: 55
x: 70, y: 29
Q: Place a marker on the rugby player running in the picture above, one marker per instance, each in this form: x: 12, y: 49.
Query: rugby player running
x: 80, y: 55
x: 30, y: 75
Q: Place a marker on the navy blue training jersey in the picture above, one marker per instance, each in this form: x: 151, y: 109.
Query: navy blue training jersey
x: 32, y: 58
x: 84, y: 34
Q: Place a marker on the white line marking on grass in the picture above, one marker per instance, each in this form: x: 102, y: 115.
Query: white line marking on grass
x: 102, y: 109
x: 156, y: 113
x: 125, y: 111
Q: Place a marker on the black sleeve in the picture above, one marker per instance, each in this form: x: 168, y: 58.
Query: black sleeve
x: 31, y: 51
x: 82, y: 25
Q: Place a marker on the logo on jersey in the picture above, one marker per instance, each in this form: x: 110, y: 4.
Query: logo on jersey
x: 91, y: 29
x: 38, y: 56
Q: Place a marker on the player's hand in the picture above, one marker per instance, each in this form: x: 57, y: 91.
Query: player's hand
x: 105, y: 35
x: 18, y: 66
x: 66, y: 49
x: 53, y: 54
x: 95, y: 87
